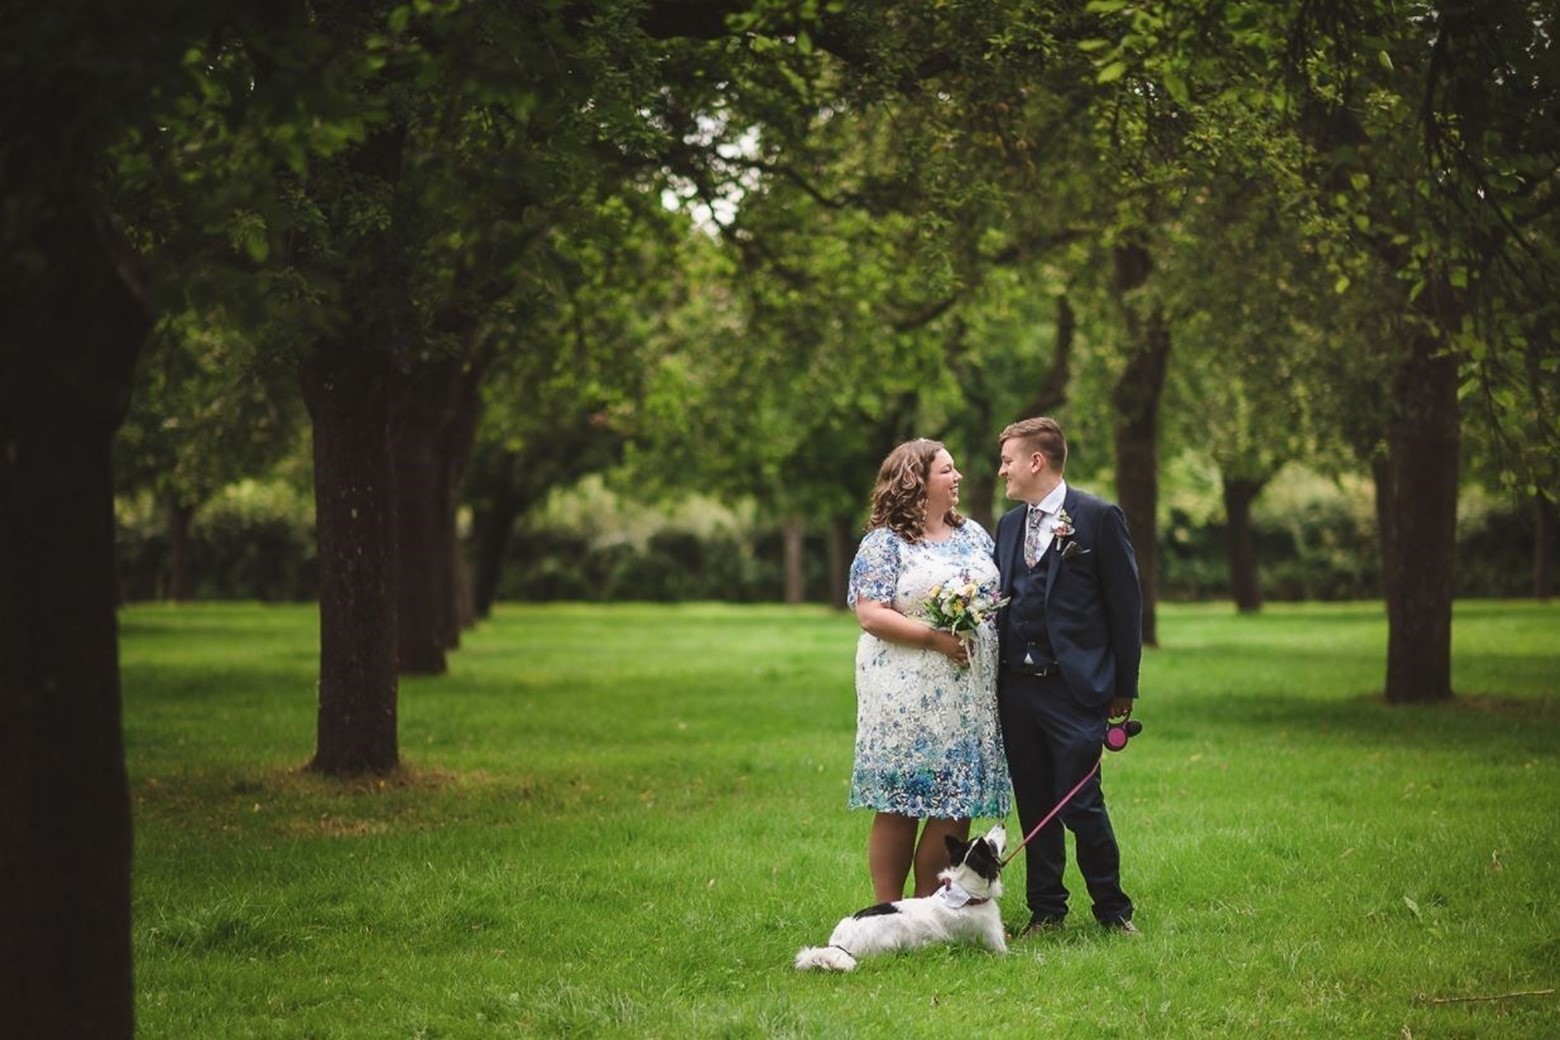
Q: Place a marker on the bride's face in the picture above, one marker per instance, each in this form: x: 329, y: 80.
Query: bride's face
x: 942, y: 484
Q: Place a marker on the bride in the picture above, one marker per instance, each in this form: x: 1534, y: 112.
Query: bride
x: 928, y: 749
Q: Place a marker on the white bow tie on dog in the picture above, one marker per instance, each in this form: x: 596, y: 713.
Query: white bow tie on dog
x: 964, y: 909
x: 954, y: 895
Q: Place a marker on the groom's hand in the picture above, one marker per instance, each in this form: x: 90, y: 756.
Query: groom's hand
x: 1120, y: 707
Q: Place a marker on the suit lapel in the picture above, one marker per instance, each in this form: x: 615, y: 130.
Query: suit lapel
x: 1012, y: 550
x: 1053, y: 553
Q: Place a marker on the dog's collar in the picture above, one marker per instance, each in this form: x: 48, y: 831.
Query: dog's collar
x: 957, y: 895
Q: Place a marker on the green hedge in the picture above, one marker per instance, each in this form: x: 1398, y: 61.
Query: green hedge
x: 256, y: 542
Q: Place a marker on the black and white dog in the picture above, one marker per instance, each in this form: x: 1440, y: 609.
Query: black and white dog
x: 964, y: 909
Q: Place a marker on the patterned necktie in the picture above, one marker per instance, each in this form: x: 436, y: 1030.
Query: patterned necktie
x: 1032, y: 535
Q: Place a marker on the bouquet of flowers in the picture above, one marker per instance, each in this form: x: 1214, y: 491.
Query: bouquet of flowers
x: 960, y: 609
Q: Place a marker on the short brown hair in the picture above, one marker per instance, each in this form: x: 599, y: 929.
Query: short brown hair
x: 1040, y: 434
x: 899, y: 499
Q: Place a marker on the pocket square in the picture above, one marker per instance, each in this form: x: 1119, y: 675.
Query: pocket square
x: 1072, y: 550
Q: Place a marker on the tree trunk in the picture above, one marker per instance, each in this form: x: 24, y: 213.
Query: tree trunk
x: 492, y: 521
x: 1136, y: 400
x: 424, y: 588
x: 979, y: 495
x: 67, y: 351
x: 432, y: 432
x: 1051, y: 389
x: 839, y: 559
x: 1543, y: 534
x: 346, y: 387
x: 795, y: 572
x: 465, y: 601
x: 1422, y: 450
x: 1244, y: 586
x: 181, y: 572
x: 459, y: 443
x: 1386, y: 525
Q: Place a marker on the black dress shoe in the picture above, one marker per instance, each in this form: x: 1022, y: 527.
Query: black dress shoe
x: 1124, y: 926
x: 1042, y: 926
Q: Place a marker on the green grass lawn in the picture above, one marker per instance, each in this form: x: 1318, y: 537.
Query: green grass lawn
x: 624, y: 821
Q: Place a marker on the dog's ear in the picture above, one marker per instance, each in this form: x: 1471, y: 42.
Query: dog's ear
x: 956, y: 849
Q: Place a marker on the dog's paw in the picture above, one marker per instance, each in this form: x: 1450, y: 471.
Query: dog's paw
x: 824, y: 958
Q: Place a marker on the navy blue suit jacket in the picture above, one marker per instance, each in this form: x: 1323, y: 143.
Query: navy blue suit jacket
x: 1093, y: 602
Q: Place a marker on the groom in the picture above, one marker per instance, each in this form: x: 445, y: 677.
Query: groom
x: 1071, y: 639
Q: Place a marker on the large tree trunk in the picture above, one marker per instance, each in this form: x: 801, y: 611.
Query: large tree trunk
x: 181, y: 570
x: 424, y: 585
x: 68, y: 347
x: 433, y: 429
x: 346, y: 387
x: 1136, y: 398
x: 1543, y: 533
x: 1423, y: 440
x: 792, y: 559
x: 1240, y: 544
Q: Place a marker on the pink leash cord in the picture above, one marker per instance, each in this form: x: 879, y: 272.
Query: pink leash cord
x: 1051, y: 815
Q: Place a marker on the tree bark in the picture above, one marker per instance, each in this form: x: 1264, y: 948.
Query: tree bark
x: 1423, y: 440
x: 839, y: 559
x: 1051, y: 389
x: 1543, y: 535
x: 181, y: 571
x: 346, y: 387
x: 424, y: 585
x: 794, y: 570
x: 492, y: 524
x: 1240, y: 546
x: 459, y: 444
x: 67, y: 352
x: 1136, y: 398
x: 1386, y: 523
x: 978, y: 497
x: 434, y: 426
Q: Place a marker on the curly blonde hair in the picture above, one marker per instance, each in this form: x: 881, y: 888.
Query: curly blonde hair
x: 899, y: 498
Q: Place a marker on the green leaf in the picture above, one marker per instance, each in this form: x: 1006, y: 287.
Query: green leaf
x: 1385, y: 59
x: 1112, y: 72
x: 1341, y: 286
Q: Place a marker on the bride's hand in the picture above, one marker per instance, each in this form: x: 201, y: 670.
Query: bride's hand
x: 956, y: 649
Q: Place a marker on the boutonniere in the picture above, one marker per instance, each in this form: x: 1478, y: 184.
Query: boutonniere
x: 1062, y: 530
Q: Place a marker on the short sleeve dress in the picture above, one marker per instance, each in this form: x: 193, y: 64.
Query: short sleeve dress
x: 927, y: 740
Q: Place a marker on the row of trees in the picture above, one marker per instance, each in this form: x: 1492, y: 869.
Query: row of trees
x: 442, y: 229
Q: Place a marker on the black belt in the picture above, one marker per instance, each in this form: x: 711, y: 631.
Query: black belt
x: 1040, y: 671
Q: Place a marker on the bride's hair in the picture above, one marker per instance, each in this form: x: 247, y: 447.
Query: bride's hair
x: 899, y: 499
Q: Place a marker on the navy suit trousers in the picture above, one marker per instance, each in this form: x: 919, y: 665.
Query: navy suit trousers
x: 1052, y: 741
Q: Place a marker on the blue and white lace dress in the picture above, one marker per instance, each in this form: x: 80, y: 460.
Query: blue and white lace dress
x: 927, y: 740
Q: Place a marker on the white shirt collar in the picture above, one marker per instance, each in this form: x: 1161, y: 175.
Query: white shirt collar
x: 1052, y: 503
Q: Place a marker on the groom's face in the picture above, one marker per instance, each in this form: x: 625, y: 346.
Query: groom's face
x: 1021, y: 469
